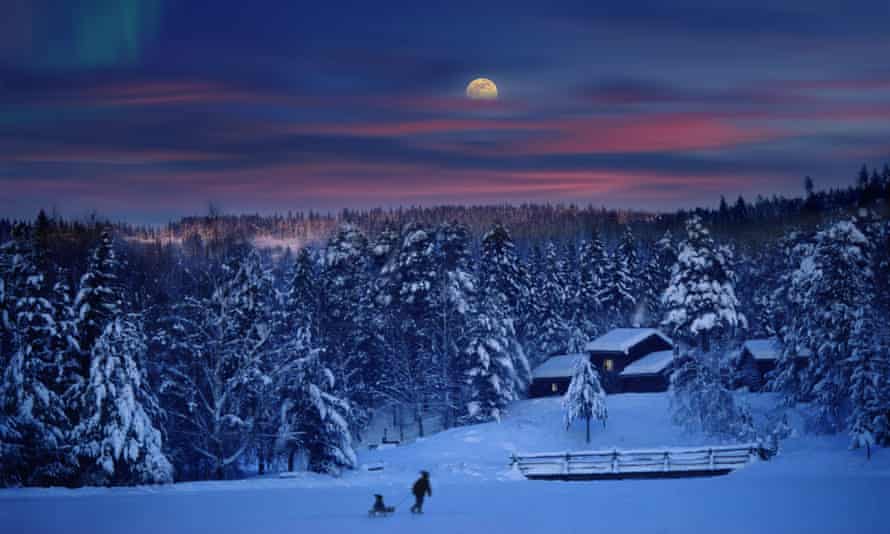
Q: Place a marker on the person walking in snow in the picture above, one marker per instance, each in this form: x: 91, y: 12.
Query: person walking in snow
x: 420, y: 490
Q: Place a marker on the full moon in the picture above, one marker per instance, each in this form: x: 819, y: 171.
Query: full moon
x: 482, y: 89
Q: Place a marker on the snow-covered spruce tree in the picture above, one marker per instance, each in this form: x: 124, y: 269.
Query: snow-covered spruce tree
x: 501, y: 268
x: 117, y: 437
x: 312, y: 416
x: 412, y: 278
x: 585, y: 398
x: 347, y: 330
x: 98, y: 299
x: 550, y: 305
x: 618, y: 297
x: 455, y: 306
x: 216, y: 350
x: 34, y: 423
x: 656, y: 277
x: 491, y: 356
x: 700, y: 301
x: 301, y: 305
x: 501, y: 271
x: 592, y: 265
x: 827, y: 291
x: 869, y: 399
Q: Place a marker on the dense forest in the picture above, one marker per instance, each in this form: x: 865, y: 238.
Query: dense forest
x: 221, y: 344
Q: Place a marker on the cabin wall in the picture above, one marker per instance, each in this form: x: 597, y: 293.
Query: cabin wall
x: 645, y: 383
x: 543, y: 387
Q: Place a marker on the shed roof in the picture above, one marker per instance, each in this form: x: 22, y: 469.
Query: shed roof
x: 769, y: 349
x: 651, y: 364
x: 562, y: 366
x: 623, y: 339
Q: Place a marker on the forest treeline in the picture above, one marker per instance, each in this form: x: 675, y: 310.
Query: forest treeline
x: 138, y: 355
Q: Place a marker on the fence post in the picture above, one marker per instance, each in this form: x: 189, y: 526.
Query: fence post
x: 667, y: 461
x: 565, y: 464
x: 615, y: 460
x: 711, y: 459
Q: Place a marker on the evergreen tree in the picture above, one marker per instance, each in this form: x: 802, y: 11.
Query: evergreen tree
x: 868, y: 419
x: 491, y: 356
x: 99, y: 299
x: 312, y: 416
x: 585, y: 398
x: 592, y: 264
x: 33, y: 419
x: 700, y: 300
x: 826, y: 293
x: 656, y: 277
x: 619, y: 296
x: 117, y: 437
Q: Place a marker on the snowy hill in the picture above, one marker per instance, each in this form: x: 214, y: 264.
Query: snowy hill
x: 475, y: 491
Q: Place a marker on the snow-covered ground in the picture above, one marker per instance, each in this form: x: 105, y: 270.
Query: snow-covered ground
x: 815, y: 485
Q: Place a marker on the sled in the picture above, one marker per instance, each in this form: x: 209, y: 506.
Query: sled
x: 382, y: 513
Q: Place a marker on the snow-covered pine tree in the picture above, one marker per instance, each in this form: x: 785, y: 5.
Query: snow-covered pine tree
x: 585, y: 398
x: 456, y: 304
x: 34, y: 423
x: 500, y: 268
x: 656, y: 277
x: 412, y: 278
x: 700, y: 301
x: 827, y: 291
x: 301, y: 304
x: 98, y: 299
x: 347, y: 330
x: 491, y: 356
x: 501, y: 271
x: 314, y: 416
x: 619, y: 295
x: 117, y: 437
x: 868, y: 419
x: 592, y: 265
x: 550, y: 305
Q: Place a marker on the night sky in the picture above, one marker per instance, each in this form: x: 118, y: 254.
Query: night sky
x: 146, y: 110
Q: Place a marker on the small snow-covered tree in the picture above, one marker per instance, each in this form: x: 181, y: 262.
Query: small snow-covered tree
x: 700, y: 300
x: 585, y: 398
x: 117, y: 437
x: 701, y: 402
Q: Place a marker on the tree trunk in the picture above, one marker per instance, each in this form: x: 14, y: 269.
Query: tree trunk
x: 290, y: 459
x: 868, y: 451
x: 588, y: 430
x: 420, y: 421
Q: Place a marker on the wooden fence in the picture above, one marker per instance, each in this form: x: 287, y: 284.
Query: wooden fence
x: 643, y: 463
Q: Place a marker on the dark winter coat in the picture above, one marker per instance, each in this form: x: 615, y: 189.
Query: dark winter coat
x: 422, y: 486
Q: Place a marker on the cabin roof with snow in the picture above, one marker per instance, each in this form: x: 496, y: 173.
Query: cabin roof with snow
x: 768, y: 349
x: 651, y: 364
x: 558, y: 366
x: 623, y: 339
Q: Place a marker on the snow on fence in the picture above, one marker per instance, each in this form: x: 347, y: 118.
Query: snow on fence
x: 642, y: 463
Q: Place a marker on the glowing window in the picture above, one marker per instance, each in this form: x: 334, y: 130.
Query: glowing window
x: 554, y: 388
x: 608, y: 365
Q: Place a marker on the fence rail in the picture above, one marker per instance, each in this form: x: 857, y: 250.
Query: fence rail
x: 641, y: 463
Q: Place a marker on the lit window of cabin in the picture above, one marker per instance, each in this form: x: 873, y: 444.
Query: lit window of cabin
x: 554, y: 388
x: 608, y: 365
